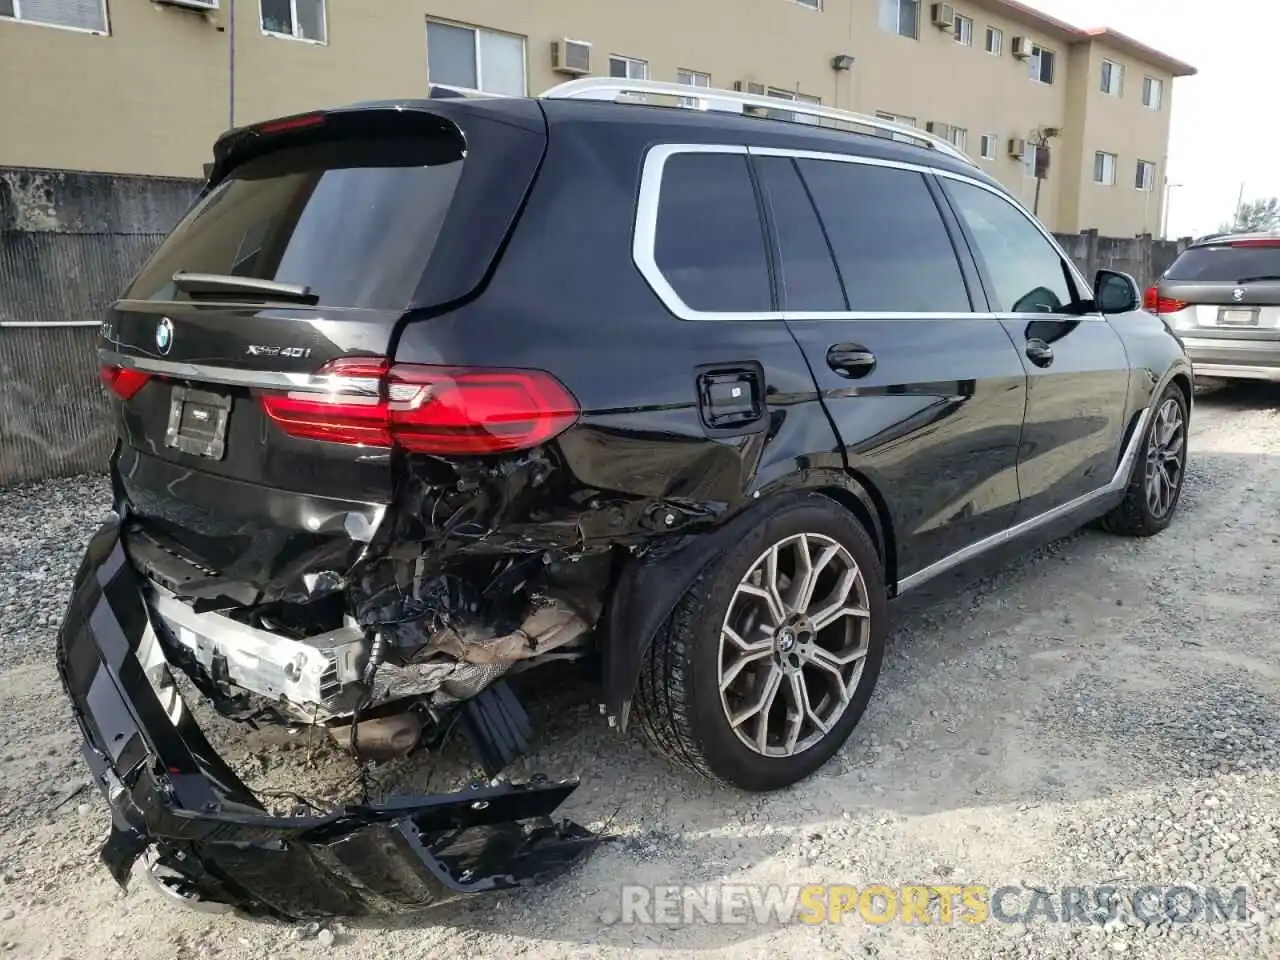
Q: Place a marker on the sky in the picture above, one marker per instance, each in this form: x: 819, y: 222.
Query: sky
x: 1224, y: 131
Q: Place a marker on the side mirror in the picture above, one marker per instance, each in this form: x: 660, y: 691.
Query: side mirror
x: 1116, y: 292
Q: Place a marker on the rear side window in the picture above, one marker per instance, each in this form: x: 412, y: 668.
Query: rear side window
x: 710, y: 242
x: 889, y: 239
x: 355, y: 220
x: 1227, y: 264
x: 808, y: 275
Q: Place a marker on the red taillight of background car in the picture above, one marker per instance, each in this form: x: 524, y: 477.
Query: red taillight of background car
x: 1256, y: 242
x: 123, y: 382
x: 447, y: 411
x: 1155, y: 303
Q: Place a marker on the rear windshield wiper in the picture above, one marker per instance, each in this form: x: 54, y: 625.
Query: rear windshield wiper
x: 196, y: 284
x: 1259, y: 278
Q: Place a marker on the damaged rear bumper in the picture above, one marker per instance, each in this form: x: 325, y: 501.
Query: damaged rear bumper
x: 215, y: 843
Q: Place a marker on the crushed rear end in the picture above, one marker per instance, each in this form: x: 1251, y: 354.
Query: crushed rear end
x: 312, y: 533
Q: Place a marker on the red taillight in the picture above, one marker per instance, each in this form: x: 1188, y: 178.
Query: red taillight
x: 1257, y: 242
x: 290, y: 123
x: 124, y: 383
x: 1155, y: 303
x: 448, y: 411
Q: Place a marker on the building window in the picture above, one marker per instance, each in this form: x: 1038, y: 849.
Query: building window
x: 901, y: 17
x: 627, y: 68
x: 898, y: 119
x: 988, y: 146
x: 811, y: 4
x: 692, y: 78
x: 995, y: 41
x: 472, y: 58
x: 1145, y: 179
x: 796, y: 98
x: 1104, y: 169
x: 1112, y: 78
x: 1152, y: 92
x: 959, y: 137
x: 963, y: 31
x: 295, y: 19
x: 87, y: 15
x: 1042, y: 63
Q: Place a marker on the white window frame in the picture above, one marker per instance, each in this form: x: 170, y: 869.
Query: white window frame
x: 993, y: 42
x: 959, y: 138
x: 18, y: 18
x: 780, y: 94
x: 1148, y: 182
x: 630, y: 62
x: 476, y: 31
x: 991, y: 142
x: 696, y: 79
x: 898, y: 118
x: 1036, y: 62
x: 896, y: 29
x: 1152, y: 92
x: 1114, y: 88
x: 1110, y: 162
x: 963, y: 30
x: 293, y: 16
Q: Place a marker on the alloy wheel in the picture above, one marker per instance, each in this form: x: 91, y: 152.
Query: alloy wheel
x: 1166, y: 450
x: 793, y: 645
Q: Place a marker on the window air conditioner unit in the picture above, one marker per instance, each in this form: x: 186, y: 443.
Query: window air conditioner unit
x: 1017, y: 149
x: 938, y: 129
x: 943, y: 16
x: 1021, y: 48
x: 190, y: 4
x: 571, y: 56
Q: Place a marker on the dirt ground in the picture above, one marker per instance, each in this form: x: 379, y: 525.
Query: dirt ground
x: 1104, y: 711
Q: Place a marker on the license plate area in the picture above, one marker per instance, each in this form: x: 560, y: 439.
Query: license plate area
x: 198, y: 422
x: 1238, y: 317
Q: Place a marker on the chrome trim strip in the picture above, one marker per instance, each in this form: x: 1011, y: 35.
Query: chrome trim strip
x: 31, y: 324
x: 644, y: 238
x: 976, y: 549
x: 232, y: 376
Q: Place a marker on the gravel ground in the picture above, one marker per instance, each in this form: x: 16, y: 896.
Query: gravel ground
x: 1102, y: 712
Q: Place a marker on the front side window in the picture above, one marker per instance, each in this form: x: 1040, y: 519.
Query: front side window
x: 473, y: 58
x: 88, y: 15
x: 296, y: 19
x: 901, y: 17
x: 891, y: 246
x: 1152, y: 92
x: 1112, y: 78
x: 1104, y: 168
x: 1042, y: 63
x: 709, y: 243
x: 995, y: 41
x: 963, y: 31
x: 1024, y: 268
x: 628, y: 68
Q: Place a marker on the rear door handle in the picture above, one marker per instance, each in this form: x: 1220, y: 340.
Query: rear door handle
x: 851, y: 360
x: 1039, y: 352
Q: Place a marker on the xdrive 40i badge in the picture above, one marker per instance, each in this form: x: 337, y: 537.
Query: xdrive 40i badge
x: 268, y: 350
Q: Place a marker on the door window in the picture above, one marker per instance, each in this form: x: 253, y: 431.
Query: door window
x: 890, y: 243
x: 808, y: 275
x: 710, y: 242
x: 1026, y: 272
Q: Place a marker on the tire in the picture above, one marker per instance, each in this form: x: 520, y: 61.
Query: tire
x: 678, y: 706
x: 1164, y: 446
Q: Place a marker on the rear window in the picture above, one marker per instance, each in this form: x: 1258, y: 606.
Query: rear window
x: 1226, y: 263
x: 356, y: 221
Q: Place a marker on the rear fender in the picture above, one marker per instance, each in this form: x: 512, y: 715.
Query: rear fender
x: 648, y: 585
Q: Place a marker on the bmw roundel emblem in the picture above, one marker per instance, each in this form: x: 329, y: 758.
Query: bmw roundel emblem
x: 164, y: 335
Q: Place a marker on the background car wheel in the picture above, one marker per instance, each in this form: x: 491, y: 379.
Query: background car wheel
x: 768, y: 662
x: 1156, y: 485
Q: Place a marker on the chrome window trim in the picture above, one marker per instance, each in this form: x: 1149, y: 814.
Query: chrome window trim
x: 236, y: 377
x: 644, y: 236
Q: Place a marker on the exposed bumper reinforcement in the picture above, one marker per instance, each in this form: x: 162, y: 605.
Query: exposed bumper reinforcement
x: 217, y: 844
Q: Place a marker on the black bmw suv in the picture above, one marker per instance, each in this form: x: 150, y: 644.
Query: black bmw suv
x: 422, y: 396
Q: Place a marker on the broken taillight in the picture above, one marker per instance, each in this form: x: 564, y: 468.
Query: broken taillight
x: 1155, y: 303
x: 449, y: 411
x: 123, y: 382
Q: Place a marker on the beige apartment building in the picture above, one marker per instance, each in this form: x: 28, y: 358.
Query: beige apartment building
x: 144, y: 86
